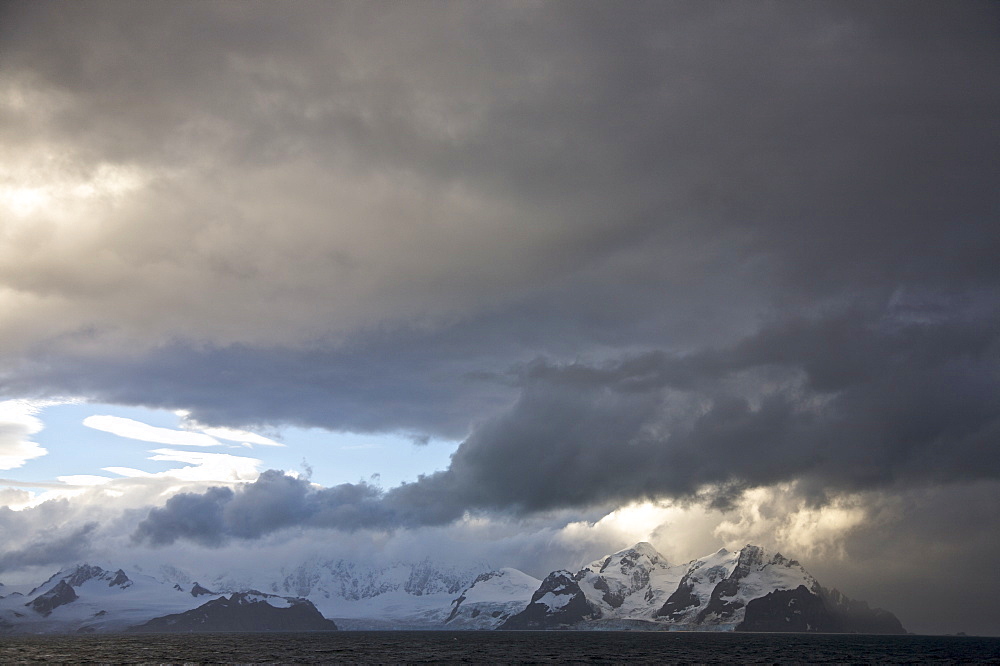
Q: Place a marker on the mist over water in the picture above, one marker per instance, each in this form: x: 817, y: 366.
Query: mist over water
x: 505, y: 647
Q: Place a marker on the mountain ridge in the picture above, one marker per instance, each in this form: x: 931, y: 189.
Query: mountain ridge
x: 749, y: 589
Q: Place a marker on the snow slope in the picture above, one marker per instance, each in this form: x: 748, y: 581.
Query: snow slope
x: 715, y: 590
x: 491, y: 599
x: 103, y: 600
x: 632, y: 583
x: 638, y: 588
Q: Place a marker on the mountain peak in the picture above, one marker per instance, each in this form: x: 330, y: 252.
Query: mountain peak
x: 59, y: 595
x: 628, y: 558
x: 647, y: 549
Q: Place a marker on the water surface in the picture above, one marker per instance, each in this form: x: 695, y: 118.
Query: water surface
x: 498, y: 647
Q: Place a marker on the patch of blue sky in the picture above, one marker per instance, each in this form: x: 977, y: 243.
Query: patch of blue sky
x: 332, y: 457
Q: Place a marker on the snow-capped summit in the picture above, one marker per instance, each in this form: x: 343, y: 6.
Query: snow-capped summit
x: 83, y: 573
x: 79, y: 574
x: 641, y: 556
x: 86, y: 597
x: 350, y: 581
x: 629, y: 583
x: 749, y: 589
x: 557, y: 603
x: 714, y: 590
x: 397, y: 596
x: 491, y: 599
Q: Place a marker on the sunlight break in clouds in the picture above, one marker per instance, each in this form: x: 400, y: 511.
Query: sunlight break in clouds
x: 38, y: 186
x: 779, y: 517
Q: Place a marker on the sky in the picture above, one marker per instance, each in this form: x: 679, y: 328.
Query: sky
x: 518, y: 283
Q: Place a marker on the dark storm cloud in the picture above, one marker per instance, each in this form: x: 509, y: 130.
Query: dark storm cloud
x: 624, y: 252
x: 274, y: 501
x: 43, y: 534
x: 909, y: 403
x: 937, y: 536
x: 406, y: 380
x: 845, y: 403
x: 673, y: 175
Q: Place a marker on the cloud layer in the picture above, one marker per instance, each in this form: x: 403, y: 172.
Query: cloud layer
x: 684, y: 251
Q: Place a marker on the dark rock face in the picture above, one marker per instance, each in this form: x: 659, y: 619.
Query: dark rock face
x: 86, y: 572
x: 197, y: 590
x: 722, y: 604
x: 59, y: 595
x: 858, y: 617
x: 800, y: 610
x: 558, y: 602
x: 120, y: 580
x: 613, y: 599
x: 83, y: 573
x: 457, y: 603
x: 788, y: 610
x: 243, y: 611
x: 681, y: 600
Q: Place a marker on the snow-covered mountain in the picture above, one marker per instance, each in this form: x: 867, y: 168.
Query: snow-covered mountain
x: 90, y: 598
x: 398, y: 596
x: 491, y: 599
x: 748, y: 590
x: 715, y: 590
x: 350, y: 581
x: 631, y: 583
x: 635, y: 588
x: 243, y: 611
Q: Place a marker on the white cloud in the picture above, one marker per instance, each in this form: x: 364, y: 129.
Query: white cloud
x: 84, y: 479
x: 135, y: 487
x: 132, y: 429
x: 15, y: 498
x: 221, y: 467
x: 17, y: 423
x: 130, y: 472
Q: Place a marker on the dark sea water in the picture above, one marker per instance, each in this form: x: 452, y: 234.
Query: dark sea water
x: 498, y: 647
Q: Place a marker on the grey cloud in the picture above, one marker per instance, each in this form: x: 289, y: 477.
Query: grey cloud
x: 273, y: 502
x: 48, y: 548
x: 847, y: 402
x: 693, y: 164
x: 193, y: 516
x: 408, y: 381
x: 620, y: 253
x: 915, y: 404
x: 53, y: 532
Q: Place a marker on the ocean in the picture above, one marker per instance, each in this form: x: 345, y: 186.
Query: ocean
x: 499, y: 647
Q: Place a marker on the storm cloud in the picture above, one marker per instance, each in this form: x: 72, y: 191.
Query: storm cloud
x: 675, y: 250
x: 274, y: 501
x: 898, y: 403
